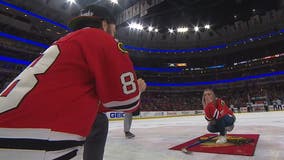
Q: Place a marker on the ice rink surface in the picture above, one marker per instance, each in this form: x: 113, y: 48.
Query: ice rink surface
x: 155, y: 136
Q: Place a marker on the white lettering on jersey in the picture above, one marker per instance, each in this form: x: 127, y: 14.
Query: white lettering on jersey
x: 128, y: 84
x: 26, y: 81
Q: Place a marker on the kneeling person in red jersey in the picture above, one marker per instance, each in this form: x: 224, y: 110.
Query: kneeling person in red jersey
x: 219, y: 116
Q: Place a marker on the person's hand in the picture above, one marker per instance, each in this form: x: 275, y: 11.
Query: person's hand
x: 141, y: 84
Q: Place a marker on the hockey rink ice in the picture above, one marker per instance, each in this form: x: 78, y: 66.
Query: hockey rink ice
x: 155, y: 136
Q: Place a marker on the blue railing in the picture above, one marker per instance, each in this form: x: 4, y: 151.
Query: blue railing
x: 14, y: 60
x: 187, y: 84
x: 34, y: 15
x: 20, y: 39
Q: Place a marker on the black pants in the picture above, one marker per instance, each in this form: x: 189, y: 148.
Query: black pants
x: 96, y: 140
x: 221, y: 124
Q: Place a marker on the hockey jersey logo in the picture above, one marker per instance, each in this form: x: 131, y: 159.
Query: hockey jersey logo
x: 121, y: 48
x: 223, y: 103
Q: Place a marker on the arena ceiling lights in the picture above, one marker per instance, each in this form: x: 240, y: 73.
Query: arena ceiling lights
x: 71, y: 2
x: 186, y: 29
x: 141, y: 27
x: 135, y: 26
x: 171, y: 30
x: 207, y: 26
x: 114, y: 1
x: 182, y: 29
x: 196, y: 28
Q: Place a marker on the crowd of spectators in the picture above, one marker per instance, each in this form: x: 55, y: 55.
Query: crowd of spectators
x: 18, y: 50
x: 5, y: 79
x: 191, y: 100
x: 153, y: 101
x: 265, y: 66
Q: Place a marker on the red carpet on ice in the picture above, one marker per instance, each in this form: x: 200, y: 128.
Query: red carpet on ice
x: 238, y: 144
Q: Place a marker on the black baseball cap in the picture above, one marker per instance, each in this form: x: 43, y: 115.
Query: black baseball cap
x: 89, y: 14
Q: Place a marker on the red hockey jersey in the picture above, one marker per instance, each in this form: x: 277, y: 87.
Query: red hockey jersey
x: 63, y: 88
x: 217, y: 111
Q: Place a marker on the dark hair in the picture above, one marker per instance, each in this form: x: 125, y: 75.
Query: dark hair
x: 84, y: 21
x: 91, y: 16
